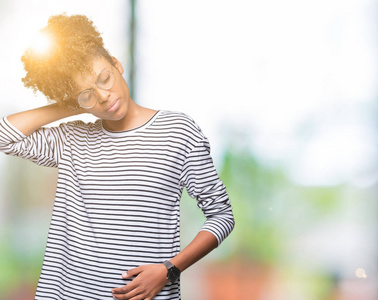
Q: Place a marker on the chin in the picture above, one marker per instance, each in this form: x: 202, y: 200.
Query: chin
x: 118, y: 116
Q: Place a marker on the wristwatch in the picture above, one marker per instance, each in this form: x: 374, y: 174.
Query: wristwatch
x: 173, y: 272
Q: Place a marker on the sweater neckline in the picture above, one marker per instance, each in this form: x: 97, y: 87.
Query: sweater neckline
x: 132, y: 130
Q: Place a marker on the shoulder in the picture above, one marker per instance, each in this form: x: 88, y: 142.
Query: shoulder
x: 80, y: 126
x: 180, y: 121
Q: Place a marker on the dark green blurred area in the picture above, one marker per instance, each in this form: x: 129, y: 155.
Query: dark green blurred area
x: 279, y: 226
x: 29, y: 196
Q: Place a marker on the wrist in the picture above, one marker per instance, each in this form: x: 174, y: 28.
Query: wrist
x: 74, y: 110
x: 173, y: 273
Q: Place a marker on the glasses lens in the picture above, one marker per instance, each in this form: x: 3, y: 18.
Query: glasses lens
x: 87, y: 99
x: 105, y: 80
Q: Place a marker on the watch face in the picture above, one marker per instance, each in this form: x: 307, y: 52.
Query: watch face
x: 173, y: 274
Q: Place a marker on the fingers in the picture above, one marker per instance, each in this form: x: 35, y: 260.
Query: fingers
x: 132, y: 295
x: 129, y: 290
x: 148, y: 281
x: 136, y: 293
x: 125, y: 289
x: 132, y: 272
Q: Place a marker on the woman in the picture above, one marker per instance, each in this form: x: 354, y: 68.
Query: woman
x: 114, y: 230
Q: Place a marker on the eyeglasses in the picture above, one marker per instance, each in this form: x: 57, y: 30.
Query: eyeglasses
x: 105, y: 81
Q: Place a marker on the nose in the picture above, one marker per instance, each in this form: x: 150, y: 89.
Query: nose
x: 103, y: 95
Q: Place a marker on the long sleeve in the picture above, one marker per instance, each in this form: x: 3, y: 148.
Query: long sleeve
x: 43, y: 147
x: 202, y: 182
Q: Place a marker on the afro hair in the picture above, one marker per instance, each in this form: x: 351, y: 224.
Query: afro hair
x: 75, y: 43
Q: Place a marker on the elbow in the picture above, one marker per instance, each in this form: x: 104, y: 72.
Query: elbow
x: 220, y: 226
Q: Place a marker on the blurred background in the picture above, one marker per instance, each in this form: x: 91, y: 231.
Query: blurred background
x: 286, y: 92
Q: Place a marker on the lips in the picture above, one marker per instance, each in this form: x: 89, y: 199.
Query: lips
x: 113, y: 106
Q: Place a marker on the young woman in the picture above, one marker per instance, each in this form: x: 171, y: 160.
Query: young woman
x: 114, y: 230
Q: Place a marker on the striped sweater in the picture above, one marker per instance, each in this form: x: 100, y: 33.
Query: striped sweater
x: 118, y: 198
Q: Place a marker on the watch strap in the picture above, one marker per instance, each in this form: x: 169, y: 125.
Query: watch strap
x: 168, y: 264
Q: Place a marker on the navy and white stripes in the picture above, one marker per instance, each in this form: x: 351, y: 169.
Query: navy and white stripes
x: 117, y: 199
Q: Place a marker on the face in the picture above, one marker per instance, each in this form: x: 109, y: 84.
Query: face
x: 112, y: 103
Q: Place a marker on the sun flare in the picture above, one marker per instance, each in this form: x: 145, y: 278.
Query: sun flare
x: 42, y: 44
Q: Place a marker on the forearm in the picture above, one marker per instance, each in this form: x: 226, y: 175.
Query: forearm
x: 201, y: 245
x: 150, y: 279
x: 29, y: 121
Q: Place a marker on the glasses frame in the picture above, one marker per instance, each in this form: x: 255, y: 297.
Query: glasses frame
x: 92, y: 90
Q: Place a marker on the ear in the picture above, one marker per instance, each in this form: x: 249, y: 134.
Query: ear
x: 118, y: 65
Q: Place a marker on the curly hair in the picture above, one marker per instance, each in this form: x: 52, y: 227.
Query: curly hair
x: 76, y: 42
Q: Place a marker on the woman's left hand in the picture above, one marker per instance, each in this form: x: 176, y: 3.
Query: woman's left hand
x: 149, y: 281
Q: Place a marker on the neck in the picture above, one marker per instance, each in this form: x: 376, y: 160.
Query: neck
x: 136, y: 116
